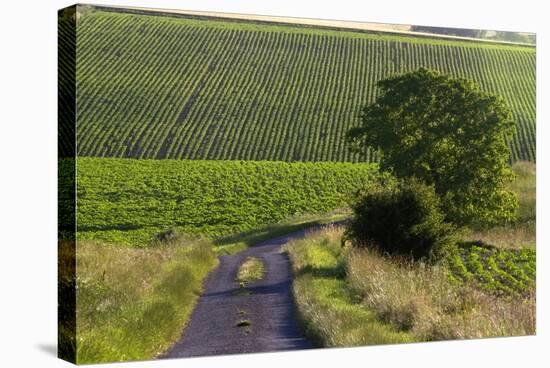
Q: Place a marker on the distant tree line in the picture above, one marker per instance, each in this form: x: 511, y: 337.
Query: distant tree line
x: 479, y: 33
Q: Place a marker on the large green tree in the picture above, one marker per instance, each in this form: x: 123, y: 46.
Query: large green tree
x: 448, y: 133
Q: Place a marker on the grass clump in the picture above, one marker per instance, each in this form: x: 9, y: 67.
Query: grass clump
x: 132, y: 303
x: 251, y: 270
x: 243, y: 323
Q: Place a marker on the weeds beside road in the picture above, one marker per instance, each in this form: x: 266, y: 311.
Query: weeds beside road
x: 133, y: 303
x: 349, y: 297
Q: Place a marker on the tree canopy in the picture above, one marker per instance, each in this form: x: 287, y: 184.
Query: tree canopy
x: 448, y: 133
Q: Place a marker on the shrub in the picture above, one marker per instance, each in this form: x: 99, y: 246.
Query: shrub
x: 402, y: 218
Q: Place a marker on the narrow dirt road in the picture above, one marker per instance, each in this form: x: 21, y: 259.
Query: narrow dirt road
x: 259, y: 318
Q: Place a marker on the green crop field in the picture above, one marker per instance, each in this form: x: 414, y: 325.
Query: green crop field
x: 501, y: 271
x: 128, y: 201
x: 179, y: 88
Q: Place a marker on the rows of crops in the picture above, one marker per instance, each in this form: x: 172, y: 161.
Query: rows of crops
x: 500, y: 271
x: 128, y: 201
x: 66, y: 84
x: 161, y: 87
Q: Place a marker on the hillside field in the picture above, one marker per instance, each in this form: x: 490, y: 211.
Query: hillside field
x: 180, y: 88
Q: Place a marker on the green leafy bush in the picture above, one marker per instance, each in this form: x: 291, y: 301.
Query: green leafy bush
x: 402, y: 218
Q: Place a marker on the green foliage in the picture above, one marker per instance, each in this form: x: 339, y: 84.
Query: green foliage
x: 448, y: 133
x: 499, y: 271
x: 179, y: 88
x: 401, y: 219
x: 525, y: 186
x: 129, y: 201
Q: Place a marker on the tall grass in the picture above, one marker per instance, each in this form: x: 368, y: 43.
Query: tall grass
x: 351, y: 297
x: 330, y: 311
x: 132, y: 303
x: 525, y: 186
x: 66, y: 295
x: 522, y: 233
x: 421, y: 299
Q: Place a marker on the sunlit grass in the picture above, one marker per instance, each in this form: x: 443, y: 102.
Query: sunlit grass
x: 349, y: 297
x: 241, y: 241
x: 331, y: 312
x: 516, y: 236
x: 423, y: 300
x: 251, y: 270
x: 133, y: 303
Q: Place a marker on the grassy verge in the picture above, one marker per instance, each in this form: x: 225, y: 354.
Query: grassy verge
x: 424, y: 301
x: 132, y: 303
x: 330, y: 311
x: 352, y: 297
x: 251, y: 270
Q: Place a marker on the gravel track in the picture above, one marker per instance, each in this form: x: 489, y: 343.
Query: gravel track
x: 267, y: 306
